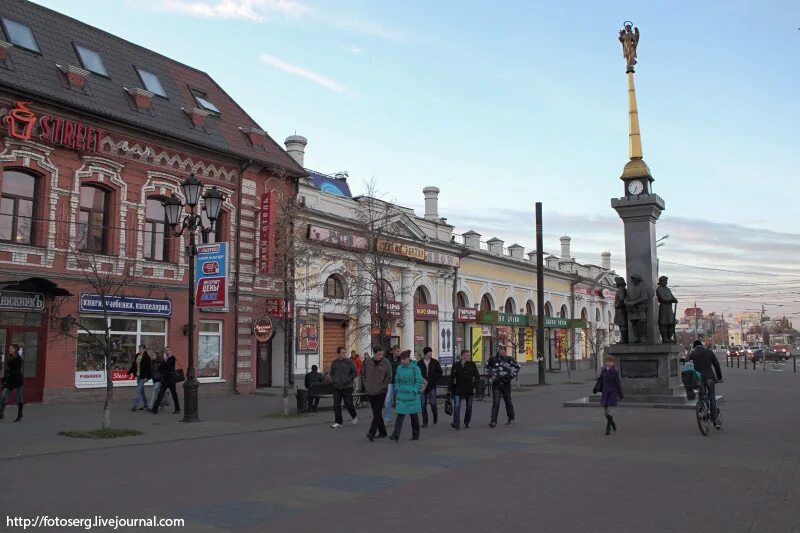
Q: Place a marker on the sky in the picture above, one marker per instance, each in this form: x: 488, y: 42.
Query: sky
x: 506, y: 103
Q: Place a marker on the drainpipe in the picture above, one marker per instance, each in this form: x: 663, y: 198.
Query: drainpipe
x: 247, y: 164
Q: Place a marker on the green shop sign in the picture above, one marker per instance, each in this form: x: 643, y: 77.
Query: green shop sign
x: 554, y: 322
x: 501, y: 319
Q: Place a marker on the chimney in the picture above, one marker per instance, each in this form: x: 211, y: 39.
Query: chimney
x: 565, y: 256
x: 431, y: 202
x: 296, y: 148
x: 517, y: 251
x: 472, y: 240
x: 605, y: 260
x: 495, y: 246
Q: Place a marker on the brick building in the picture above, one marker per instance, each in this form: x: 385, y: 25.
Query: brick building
x: 95, y: 133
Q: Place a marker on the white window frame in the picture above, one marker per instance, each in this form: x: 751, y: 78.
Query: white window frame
x: 219, y: 334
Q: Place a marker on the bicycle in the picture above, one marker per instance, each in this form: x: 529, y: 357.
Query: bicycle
x: 703, y: 411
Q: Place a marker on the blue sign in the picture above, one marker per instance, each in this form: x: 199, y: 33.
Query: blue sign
x: 123, y: 305
x: 211, y: 271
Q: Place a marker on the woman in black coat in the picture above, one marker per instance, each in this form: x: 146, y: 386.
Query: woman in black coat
x: 13, y: 379
x: 464, y: 377
x: 612, y: 392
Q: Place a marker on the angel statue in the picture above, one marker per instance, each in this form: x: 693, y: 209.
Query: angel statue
x: 630, y: 40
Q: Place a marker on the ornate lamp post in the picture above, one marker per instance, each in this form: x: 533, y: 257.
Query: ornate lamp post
x: 192, y: 222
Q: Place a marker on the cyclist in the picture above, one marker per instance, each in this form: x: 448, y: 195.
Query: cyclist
x: 707, y: 364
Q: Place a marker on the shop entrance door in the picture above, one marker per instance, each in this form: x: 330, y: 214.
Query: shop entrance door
x: 33, y: 362
x: 264, y: 364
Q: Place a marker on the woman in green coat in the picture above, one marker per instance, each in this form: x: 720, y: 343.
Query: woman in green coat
x: 408, y: 383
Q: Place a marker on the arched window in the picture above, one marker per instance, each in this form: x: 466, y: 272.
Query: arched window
x: 462, y: 300
x: 383, y: 291
x: 486, y: 303
x: 216, y: 235
x: 584, y: 314
x: 17, y: 207
x: 530, y: 309
x: 510, y: 307
x: 420, y: 296
x: 564, y: 313
x: 156, y: 244
x: 548, y: 309
x: 93, y: 219
x: 334, y: 287
x: 597, y: 315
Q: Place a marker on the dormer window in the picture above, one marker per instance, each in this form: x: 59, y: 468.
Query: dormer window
x: 91, y: 60
x: 203, y: 101
x: 20, y: 35
x: 151, y: 82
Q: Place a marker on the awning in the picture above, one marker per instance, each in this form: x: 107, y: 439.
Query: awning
x: 41, y: 285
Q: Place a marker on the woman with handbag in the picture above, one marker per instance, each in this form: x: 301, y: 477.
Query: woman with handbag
x: 169, y: 377
x: 610, y: 385
x: 408, y: 384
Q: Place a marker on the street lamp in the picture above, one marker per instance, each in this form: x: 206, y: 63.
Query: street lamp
x: 192, y: 222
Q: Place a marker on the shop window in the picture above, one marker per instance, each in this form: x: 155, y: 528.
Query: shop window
x: 151, y: 82
x: 334, y: 288
x: 93, y: 219
x: 126, y: 333
x: 204, y: 102
x: 209, y: 355
x: 91, y: 60
x: 156, y: 243
x: 17, y: 207
x: 420, y: 296
x: 486, y: 303
x: 20, y: 35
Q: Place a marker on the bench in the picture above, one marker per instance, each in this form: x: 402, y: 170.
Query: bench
x: 325, y: 390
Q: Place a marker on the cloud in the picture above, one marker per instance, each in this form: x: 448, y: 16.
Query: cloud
x: 360, y: 25
x: 280, y: 64
x: 356, y: 50
x: 252, y: 10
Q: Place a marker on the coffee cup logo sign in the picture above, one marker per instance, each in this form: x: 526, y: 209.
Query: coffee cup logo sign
x: 25, y: 125
x: 262, y: 328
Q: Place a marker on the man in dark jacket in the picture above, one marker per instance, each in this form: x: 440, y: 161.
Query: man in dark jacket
x: 706, y: 362
x: 464, y: 378
x: 431, y: 372
x: 502, y: 369
x: 13, y: 379
x: 343, y: 373
x: 376, y: 373
x: 312, y: 378
x: 167, y: 382
x: 141, y: 369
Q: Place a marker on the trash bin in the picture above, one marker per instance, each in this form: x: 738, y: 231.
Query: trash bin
x: 302, y: 400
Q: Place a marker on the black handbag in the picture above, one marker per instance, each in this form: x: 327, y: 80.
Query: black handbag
x: 178, y: 376
x: 598, y: 385
x: 448, y: 405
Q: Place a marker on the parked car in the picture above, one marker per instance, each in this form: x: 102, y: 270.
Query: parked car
x: 771, y: 355
x: 782, y: 348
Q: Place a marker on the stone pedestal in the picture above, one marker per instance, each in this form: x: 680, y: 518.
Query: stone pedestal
x: 651, y: 373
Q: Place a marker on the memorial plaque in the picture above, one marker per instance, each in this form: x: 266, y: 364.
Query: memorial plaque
x: 641, y: 368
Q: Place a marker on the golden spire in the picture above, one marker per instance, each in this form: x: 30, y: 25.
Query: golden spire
x: 636, y: 167
x: 633, y: 120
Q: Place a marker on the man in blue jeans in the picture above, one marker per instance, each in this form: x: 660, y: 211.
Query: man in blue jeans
x: 394, y: 360
x: 431, y: 372
x: 464, y: 377
x: 706, y: 362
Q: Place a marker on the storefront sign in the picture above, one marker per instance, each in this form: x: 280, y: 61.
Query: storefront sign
x: 390, y: 309
x: 497, y: 317
x: 262, y: 328
x: 466, y: 314
x: 266, y: 246
x: 586, y: 291
x: 446, y: 343
x: 21, y: 301
x: 528, y: 344
x: 308, y: 330
x: 25, y: 125
x: 441, y: 259
x: 401, y: 249
x: 477, y: 344
x: 123, y: 305
x: 426, y: 312
x: 276, y: 307
x: 337, y: 239
x: 211, y: 270
x: 555, y: 322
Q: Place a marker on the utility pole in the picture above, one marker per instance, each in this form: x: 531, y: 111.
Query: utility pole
x: 763, y: 339
x: 696, y: 323
x: 540, y: 293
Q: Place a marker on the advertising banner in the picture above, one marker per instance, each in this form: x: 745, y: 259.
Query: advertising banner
x: 477, y: 344
x: 211, y: 271
x: 266, y: 220
x: 528, y: 344
x: 446, y: 343
x: 307, y: 330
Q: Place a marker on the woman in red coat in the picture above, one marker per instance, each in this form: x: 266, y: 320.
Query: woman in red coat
x: 612, y: 392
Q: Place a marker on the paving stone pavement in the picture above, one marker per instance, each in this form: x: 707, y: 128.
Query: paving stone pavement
x: 553, y: 470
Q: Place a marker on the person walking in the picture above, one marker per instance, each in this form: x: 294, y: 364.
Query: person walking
x: 167, y: 382
x: 358, y: 364
x: 408, y: 383
x: 155, y: 371
x: 13, y: 380
x: 376, y: 375
x: 343, y: 373
x: 142, y: 369
x: 431, y: 372
x: 464, y: 377
x: 394, y: 360
x: 502, y: 369
x: 612, y: 392
x: 313, y: 378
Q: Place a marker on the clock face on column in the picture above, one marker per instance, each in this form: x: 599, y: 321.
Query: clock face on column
x: 635, y: 187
